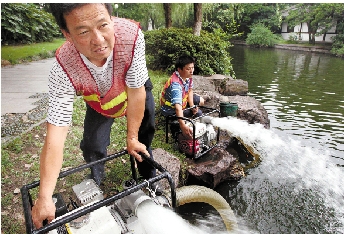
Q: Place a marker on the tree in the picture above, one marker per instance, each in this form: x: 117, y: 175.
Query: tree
x: 183, y: 15
x: 305, y: 12
x: 168, y: 14
x: 237, y: 18
x: 329, y: 15
x: 150, y: 15
x: 320, y: 17
x: 26, y: 23
x: 197, y: 19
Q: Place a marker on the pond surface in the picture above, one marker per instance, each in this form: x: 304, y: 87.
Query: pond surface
x: 302, y: 92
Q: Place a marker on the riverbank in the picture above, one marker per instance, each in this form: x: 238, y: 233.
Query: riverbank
x: 319, y: 47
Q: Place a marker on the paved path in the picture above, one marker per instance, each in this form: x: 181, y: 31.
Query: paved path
x: 24, y: 97
x: 21, y: 81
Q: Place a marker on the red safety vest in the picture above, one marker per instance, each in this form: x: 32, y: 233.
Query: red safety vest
x: 164, y: 101
x: 114, y: 103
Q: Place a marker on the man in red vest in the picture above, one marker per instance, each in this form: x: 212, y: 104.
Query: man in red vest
x: 102, y: 60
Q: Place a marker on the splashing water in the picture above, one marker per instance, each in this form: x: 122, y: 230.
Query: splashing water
x: 155, y: 219
x: 294, y: 189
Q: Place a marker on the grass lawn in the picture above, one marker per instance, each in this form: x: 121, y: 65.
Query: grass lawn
x: 20, y: 53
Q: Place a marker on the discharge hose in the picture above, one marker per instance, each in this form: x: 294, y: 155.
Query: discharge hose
x: 195, y: 193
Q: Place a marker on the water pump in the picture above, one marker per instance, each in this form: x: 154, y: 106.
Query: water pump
x: 94, y: 213
x: 118, y: 218
x: 205, y: 136
x: 91, y: 212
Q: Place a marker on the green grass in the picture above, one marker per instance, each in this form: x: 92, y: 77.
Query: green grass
x: 21, y: 53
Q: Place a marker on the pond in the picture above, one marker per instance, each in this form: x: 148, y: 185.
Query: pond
x: 298, y: 185
x: 301, y: 91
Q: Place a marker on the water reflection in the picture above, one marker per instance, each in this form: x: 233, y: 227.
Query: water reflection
x: 301, y: 92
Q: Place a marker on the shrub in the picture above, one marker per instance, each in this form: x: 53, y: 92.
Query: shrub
x: 26, y: 23
x: 293, y: 37
x: 261, y: 36
x: 210, y: 51
x: 338, y: 45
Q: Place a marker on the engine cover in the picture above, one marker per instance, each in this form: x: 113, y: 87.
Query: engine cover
x: 186, y: 145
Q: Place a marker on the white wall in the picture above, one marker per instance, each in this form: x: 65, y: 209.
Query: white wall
x: 301, y: 31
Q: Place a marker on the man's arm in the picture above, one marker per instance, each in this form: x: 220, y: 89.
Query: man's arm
x: 191, y: 102
x: 135, y: 112
x: 50, y: 165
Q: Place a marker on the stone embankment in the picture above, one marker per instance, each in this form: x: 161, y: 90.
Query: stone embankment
x: 320, y: 47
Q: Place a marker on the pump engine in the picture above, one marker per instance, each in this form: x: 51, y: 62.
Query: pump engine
x: 118, y: 218
x: 204, y: 135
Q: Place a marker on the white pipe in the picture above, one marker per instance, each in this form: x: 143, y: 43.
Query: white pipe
x: 196, y: 193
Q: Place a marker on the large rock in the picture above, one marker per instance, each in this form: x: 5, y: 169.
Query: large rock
x: 249, y: 108
x: 224, y: 85
x: 170, y: 163
x: 213, y: 168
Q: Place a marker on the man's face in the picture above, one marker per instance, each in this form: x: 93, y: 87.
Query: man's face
x: 91, y: 31
x: 187, y: 71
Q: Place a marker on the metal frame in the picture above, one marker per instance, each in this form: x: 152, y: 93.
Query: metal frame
x: 28, y: 204
x: 192, y: 121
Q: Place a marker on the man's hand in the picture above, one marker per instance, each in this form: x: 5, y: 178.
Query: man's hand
x: 134, y: 147
x: 186, y: 130
x: 194, y: 110
x: 43, y: 209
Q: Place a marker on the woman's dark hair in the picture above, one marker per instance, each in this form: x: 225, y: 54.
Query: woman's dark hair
x: 183, y: 60
x: 60, y: 9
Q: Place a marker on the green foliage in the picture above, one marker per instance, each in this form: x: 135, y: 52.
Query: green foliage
x: 293, y: 38
x: 338, y: 45
x: 320, y: 17
x: 261, y: 36
x: 143, y: 13
x: 237, y: 18
x: 15, y: 146
x: 6, y: 162
x: 26, y: 23
x: 210, y: 50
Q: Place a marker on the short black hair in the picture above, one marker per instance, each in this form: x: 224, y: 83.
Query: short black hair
x: 183, y: 60
x: 60, y: 9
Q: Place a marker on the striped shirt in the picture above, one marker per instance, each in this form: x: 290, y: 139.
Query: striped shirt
x: 62, y: 92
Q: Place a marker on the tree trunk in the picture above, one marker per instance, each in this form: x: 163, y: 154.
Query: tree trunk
x: 309, y: 37
x: 197, y: 19
x: 313, y: 38
x: 168, y: 14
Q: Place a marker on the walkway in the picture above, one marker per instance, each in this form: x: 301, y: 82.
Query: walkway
x: 24, y: 89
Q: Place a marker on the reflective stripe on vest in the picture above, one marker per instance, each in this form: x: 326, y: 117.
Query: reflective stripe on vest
x: 114, y: 103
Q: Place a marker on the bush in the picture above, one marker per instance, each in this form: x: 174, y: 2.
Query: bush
x: 26, y: 23
x: 261, y: 36
x: 338, y: 45
x: 210, y: 51
x: 293, y: 38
